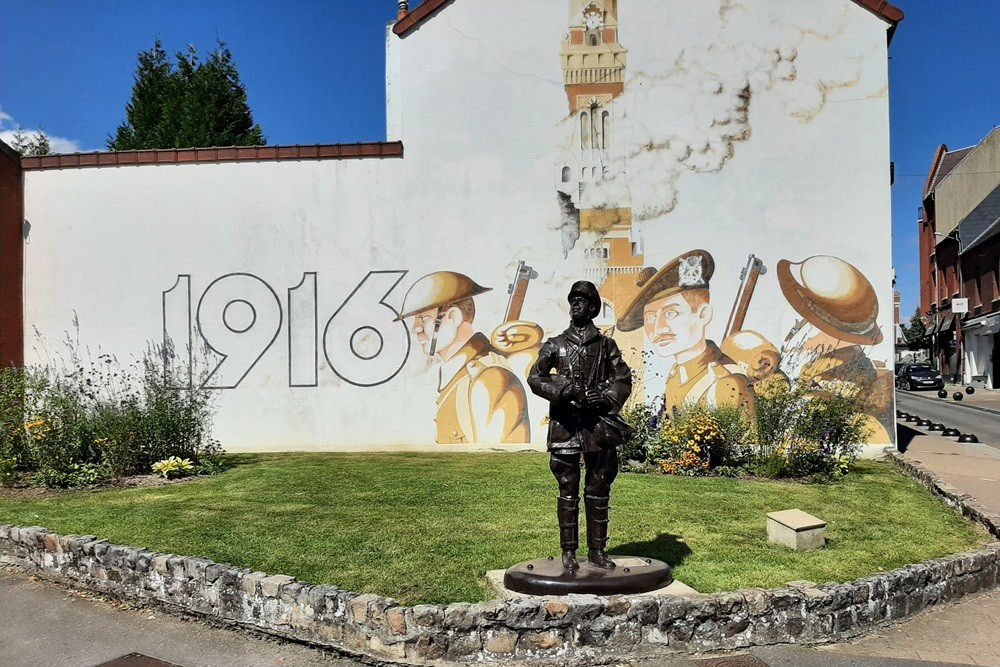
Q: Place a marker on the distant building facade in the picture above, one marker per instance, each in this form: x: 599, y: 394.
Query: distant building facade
x: 960, y: 261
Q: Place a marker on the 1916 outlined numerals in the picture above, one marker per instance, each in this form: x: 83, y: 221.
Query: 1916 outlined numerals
x: 239, y: 317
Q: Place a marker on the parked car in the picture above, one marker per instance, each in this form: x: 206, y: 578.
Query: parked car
x: 918, y: 376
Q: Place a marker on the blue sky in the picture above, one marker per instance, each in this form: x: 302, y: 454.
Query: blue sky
x: 314, y: 73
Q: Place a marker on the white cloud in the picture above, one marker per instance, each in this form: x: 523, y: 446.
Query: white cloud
x: 58, y: 144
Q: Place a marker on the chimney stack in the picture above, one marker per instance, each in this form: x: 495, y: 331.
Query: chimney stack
x: 404, y: 9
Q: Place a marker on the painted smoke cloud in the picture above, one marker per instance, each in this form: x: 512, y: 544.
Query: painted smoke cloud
x: 689, y: 114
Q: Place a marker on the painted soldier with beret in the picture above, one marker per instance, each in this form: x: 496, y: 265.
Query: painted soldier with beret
x: 673, y: 308
x: 582, y: 375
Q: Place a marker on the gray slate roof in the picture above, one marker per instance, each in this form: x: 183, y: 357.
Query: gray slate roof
x: 982, y: 224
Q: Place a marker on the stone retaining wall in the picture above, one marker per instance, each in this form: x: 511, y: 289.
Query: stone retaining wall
x: 581, y: 629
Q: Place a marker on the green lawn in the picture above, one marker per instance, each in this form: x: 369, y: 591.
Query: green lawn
x: 426, y: 527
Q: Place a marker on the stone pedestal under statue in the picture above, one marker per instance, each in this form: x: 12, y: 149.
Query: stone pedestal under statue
x: 547, y: 576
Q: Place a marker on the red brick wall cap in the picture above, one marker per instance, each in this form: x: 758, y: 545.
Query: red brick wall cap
x: 379, y: 149
x: 412, y: 20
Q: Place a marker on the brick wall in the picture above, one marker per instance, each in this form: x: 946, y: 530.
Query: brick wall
x: 11, y: 258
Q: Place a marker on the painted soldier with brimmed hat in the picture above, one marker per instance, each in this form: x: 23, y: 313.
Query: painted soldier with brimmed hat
x: 480, y: 399
x: 839, y: 311
x: 582, y: 375
x: 673, y: 308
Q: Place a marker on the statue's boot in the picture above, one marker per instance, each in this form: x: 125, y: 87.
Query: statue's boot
x: 569, y: 531
x: 597, y: 531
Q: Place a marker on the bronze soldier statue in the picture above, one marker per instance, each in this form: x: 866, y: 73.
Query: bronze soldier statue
x: 582, y: 374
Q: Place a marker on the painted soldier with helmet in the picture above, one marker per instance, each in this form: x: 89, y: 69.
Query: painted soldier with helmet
x: 825, y: 351
x: 480, y: 399
x: 582, y: 375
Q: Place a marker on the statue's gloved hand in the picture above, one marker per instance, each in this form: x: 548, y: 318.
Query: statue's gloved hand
x: 575, y: 395
x: 597, y: 401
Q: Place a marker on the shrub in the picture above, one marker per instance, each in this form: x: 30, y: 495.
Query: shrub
x: 647, y: 420
x: 75, y: 420
x: 173, y: 466
x: 692, y: 440
x: 806, y: 434
x: 13, y: 444
x: 736, y: 449
x: 8, y: 471
x: 76, y: 474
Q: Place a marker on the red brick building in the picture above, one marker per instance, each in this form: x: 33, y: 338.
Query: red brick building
x: 960, y: 260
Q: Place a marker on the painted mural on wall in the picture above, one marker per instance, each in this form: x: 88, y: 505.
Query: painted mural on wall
x: 709, y: 164
x: 481, y: 360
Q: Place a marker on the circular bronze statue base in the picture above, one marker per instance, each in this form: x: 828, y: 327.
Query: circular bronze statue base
x: 546, y: 576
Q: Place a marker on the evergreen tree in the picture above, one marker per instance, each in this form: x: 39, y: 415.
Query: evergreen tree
x: 916, y: 330
x: 192, y: 104
x: 36, y: 144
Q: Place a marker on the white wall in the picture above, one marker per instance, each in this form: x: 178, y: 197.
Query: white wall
x: 476, y: 95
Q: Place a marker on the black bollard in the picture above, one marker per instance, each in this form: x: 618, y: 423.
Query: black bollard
x: 942, y: 393
x: 936, y: 427
x: 924, y: 423
x: 951, y: 433
x: 912, y: 418
x: 968, y: 437
x: 970, y: 390
x: 957, y: 396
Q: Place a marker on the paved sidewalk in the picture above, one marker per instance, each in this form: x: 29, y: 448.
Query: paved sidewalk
x: 45, y: 625
x: 967, y: 632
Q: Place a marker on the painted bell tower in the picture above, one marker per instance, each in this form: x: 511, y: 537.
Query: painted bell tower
x: 591, y: 176
x: 593, y: 61
x: 594, y: 65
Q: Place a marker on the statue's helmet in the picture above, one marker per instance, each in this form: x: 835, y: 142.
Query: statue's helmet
x: 832, y: 295
x: 588, y: 291
x: 438, y: 289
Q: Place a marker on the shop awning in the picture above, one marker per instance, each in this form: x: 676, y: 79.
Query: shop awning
x: 986, y: 325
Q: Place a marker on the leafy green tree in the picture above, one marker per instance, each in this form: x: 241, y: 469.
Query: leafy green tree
x: 916, y: 330
x: 189, y: 104
x: 35, y: 144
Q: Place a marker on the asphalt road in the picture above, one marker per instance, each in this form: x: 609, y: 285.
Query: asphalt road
x: 926, y: 404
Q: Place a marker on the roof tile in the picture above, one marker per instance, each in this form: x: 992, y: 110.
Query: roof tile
x: 412, y: 20
x: 379, y: 149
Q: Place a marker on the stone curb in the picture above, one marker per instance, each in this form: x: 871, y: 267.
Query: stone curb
x: 576, y: 629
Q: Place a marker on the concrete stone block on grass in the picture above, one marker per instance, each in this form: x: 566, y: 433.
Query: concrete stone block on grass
x: 796, y: 530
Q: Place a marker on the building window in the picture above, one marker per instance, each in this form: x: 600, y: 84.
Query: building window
x: 567, y: 174
x: 605, y: 128
x: 584, y: 130
x: 979, y: 286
